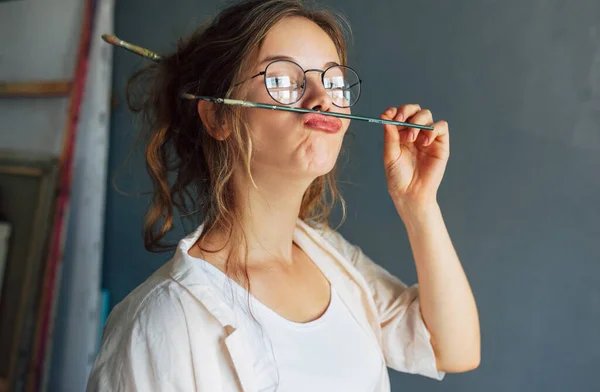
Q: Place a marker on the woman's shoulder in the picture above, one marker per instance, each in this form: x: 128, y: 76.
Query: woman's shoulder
x: 152, y: 327
x: 153, y: 300
x: 161, y: 302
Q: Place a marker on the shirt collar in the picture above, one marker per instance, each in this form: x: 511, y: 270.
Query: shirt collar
x: 336, y: 268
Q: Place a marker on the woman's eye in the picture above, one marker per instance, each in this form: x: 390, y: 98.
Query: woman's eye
x: 283, y: 82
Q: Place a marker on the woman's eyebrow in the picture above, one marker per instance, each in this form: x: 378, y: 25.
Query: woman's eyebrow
x: 283, y: 57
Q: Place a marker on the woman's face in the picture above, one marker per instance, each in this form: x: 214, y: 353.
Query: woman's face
x: 295, y: 145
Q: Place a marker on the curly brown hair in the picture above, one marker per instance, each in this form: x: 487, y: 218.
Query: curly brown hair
x: 190, y: 169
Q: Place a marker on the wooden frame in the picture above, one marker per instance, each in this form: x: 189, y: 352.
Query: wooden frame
x: 28, y: 188
x: 39, y: 89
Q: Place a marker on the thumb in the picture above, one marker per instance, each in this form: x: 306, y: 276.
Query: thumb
x: 391, y: 138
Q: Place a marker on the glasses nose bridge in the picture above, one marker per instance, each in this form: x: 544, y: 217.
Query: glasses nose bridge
x: 320, y: 71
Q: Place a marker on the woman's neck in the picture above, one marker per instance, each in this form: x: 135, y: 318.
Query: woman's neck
x: 269, y: 217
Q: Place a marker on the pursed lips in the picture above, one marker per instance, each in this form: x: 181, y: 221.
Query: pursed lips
x: 323, y: 123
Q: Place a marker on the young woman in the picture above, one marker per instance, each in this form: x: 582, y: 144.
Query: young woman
x: 264, y: 296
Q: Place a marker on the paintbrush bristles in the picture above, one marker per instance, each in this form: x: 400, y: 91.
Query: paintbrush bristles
x: 114, y: 40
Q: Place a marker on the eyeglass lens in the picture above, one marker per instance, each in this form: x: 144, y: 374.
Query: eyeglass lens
x: 285, y: 83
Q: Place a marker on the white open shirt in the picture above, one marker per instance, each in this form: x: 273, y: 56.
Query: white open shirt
x: 330, y: 353
x: 175, y: 333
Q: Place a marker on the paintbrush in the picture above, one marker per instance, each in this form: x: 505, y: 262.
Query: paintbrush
x: 113, y: 40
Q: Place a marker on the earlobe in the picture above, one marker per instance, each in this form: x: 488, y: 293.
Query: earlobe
x: 208, y: 116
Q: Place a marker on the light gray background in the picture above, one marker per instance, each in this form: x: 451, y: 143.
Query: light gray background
x: 519, y: 83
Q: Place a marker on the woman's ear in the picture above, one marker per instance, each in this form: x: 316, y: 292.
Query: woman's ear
x: 208, y: 115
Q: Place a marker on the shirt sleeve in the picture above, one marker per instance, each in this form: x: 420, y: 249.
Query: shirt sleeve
x: 406, y: 342
x: 147, y: 352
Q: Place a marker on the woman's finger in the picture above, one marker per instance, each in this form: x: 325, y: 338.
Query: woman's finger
x: 438, y: 135
x: 407, y: 111
x: 422, y: 117
x: 426, y: 138
x: 443, y: 133
x: 402, y: 113
x: 390, y: 113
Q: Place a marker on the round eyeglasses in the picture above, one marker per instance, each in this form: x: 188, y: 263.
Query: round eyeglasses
x: 286, y: 82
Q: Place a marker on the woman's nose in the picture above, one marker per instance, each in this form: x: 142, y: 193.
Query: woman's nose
x: 315, y: 95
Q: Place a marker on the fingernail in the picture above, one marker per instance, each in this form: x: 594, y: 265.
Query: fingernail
x: 427, y: 140
x: 400, y: 117
x: 389, y: 112
x: 405, y: 137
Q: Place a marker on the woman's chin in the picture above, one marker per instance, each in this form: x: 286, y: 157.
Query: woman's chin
x: 320, y: 158
x: 319, y: 166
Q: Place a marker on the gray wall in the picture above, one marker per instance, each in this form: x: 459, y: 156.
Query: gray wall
x: 519, y: 83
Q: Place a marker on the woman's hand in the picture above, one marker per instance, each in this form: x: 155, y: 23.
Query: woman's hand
x: 414, y: 159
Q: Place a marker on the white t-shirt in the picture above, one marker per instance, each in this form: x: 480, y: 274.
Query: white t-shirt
x: 331, y: 353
